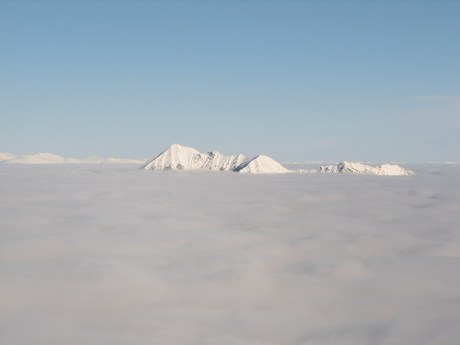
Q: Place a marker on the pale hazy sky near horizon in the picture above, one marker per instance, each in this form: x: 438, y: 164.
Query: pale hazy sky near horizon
x: 297, y: 80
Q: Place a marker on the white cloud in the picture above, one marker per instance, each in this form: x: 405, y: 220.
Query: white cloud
x: 116, y: 256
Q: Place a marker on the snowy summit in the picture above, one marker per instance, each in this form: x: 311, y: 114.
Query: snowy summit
x: 178, y: 157
x: 360, y: 168
x: 261, y: 164
x: 188, y: 158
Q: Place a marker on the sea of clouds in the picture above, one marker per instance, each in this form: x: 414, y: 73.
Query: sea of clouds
x: 115, y: 255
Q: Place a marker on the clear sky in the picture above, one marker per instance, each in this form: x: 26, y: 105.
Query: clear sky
x: 296, y: 80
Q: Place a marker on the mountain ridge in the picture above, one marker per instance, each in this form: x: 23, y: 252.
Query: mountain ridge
x: 187, y: 158
x: 361, y: 168
x: 51, y: 158
x: 178, y: 157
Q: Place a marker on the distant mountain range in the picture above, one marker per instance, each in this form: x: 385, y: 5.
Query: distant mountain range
x: 188, y: 158
x: 51, y: 158
x: 178, y: 157
x: 360, y: 168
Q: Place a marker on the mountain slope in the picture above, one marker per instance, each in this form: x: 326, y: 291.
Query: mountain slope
x: 360, y: 168
x: 217, y: 161
x: 176, y: 157
x: 188, y: 158
x: 262, y: 165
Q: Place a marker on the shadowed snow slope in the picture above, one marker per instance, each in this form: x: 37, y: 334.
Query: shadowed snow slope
x: 360, y: 168
x: 187, y: 158
x: 261, y: 165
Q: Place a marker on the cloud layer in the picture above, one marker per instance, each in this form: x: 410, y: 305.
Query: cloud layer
x: 104, y: 255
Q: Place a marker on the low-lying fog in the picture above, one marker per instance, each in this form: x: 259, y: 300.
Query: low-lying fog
x: 116, y: 255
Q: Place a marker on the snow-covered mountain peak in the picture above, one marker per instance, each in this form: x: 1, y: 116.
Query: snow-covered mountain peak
x: 176, y: 157
x: 360, y: 168
x: 187, y: 158
x: 261, y: 165
x: 178, y: 149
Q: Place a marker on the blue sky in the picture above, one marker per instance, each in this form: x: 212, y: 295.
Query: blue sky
x: 296, y: 80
